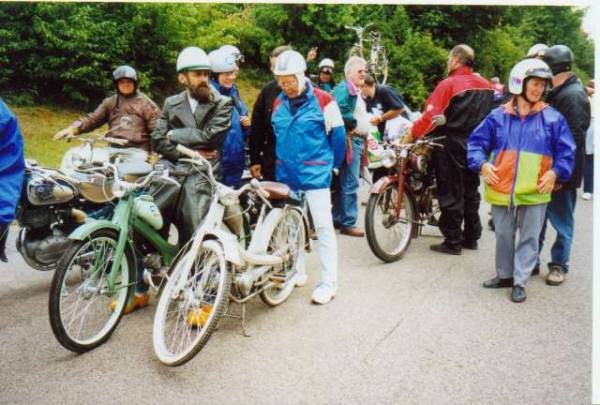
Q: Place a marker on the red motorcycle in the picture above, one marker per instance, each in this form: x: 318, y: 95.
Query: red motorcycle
x: 404, y: 201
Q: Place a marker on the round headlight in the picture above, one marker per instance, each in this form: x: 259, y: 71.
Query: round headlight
x: 388, y: 158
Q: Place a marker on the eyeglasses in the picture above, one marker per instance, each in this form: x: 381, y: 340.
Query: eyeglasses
x: 326, y: 72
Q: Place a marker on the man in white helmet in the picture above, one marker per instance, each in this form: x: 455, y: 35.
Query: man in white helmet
x: 310, y: 143
x: 325, y: 80
x: 520, y: 161
x: 199, y: 118
x: 224, y: 69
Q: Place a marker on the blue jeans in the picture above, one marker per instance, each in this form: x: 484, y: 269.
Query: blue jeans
x: 345, y: 198
x: 560, y: 213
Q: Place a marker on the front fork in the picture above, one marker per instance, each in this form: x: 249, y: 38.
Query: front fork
x: 401, y: 182
x: 121, y: 218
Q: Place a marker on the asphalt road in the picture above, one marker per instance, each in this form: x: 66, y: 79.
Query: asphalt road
x: 419, y: 331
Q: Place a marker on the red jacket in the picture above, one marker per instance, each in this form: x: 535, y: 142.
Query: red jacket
x: 463, y: 97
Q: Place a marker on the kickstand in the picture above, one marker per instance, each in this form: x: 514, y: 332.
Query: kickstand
x: 241, y: 316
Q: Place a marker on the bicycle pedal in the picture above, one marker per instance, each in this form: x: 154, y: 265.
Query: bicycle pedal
x: 278, y: 278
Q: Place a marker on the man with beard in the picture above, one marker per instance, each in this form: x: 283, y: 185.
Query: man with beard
x: 128, y: 102
x: 198, y: 118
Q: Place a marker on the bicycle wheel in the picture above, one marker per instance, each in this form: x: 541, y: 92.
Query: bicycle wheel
x: 286, y: 241
x: 185, y: 320
x: 80, y: 305
x: 387, y: 236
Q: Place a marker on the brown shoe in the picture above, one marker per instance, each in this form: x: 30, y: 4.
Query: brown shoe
x: 352, y: 232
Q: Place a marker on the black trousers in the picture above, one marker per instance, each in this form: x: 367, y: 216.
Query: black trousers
x: 458, y: 192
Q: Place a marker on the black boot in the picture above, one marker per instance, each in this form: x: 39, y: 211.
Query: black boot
x: 3, y: 238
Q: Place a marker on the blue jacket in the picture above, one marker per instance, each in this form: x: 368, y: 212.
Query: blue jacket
x: 232, y: 151
x: 310, y: 139
x: 12, y: 164
x: 522, y: 149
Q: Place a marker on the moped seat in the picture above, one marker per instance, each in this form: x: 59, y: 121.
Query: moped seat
x: 277, y: 191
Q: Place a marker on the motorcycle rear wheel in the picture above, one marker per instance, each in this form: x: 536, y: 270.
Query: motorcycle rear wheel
x: 387, y: 236
x: 287, y: 241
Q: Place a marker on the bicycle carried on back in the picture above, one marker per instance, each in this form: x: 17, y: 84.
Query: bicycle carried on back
x: 377, y: 62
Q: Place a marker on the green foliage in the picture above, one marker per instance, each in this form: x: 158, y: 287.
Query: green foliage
x: 65, y: 52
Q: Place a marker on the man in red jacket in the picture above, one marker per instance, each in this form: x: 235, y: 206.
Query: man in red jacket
x: 465, y: 98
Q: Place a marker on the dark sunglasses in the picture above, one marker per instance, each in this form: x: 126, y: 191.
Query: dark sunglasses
x: 326, y: 72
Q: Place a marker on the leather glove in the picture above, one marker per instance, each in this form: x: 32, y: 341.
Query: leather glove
x: 67, y: 133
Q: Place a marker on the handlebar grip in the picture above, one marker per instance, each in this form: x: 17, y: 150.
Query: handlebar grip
x: 186, y: 151
x: 117, y: 141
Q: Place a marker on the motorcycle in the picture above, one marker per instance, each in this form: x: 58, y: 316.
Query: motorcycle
x: 403, y: 202
x: 96, y: 275
x: 225, y: 262
x: 54, y: 202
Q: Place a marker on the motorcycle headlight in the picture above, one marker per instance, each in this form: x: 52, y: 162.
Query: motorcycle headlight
x: 388, y: 158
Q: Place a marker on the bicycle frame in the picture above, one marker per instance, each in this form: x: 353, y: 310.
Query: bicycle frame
x: 123, y: 221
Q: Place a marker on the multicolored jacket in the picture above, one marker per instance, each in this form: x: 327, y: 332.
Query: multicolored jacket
x: 522, y: 148
x: 310, y: 140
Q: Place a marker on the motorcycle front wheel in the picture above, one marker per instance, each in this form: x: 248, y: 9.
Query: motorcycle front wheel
x: 83, y: 313
x: 388, y: 236
x: 186, y: 317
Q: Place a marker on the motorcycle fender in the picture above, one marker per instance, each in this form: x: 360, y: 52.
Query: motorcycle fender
x: 90, y: 227
x: 382, y: 184
x: 229, y: 243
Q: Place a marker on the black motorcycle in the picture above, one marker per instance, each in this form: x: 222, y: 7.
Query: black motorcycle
x: 53, y: 204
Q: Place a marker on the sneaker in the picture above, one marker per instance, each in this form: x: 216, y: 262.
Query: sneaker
x: 518, y: 294
x: 323, y: 294
x: 197, y: 317
x: 138, y: 301
x: 300, y: 279
x: 556, y: 276
x: 586, y: 196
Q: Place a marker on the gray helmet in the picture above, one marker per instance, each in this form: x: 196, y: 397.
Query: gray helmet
x: 559, y: 58
x: 125, y: 72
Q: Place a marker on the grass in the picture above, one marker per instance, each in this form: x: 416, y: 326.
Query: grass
x: 40, y: 123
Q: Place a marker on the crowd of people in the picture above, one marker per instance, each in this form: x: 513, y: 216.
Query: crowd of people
x: 530, y: 141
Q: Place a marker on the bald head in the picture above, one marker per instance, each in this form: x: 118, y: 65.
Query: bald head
x: 460, y: 55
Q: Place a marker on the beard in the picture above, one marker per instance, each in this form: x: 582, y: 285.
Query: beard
x: 201, y: 92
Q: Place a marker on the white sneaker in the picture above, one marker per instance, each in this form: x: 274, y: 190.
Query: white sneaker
x: 586, y: 196
x: 300, y: 279
x: 323, y: 294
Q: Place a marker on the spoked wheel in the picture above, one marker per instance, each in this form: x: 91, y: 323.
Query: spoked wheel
x: 286, y: 241
x: 388, y: 236
x: 186, y: 317
x: 81, y: 314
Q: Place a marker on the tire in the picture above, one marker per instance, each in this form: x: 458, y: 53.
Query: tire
x: 380, y: 224
x: 286, y: 240
x: 209, y: 275
x: 74, y: 276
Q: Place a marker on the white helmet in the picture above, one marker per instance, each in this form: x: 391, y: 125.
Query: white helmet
x: 525, y: 69
x: 192, y: 58
x: 537, y: 51
x: 326, y: 63
x: 289, y: 63
x: 222, y: 62
x: 233, y: 50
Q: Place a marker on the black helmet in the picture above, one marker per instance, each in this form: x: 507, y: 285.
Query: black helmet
x: 559, y: 58
x: 125, y: 72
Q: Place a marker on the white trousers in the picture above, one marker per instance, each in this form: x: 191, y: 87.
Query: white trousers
x: 319, y: 203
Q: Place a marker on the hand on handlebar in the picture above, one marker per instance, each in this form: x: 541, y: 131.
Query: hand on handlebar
x: 67, y: 133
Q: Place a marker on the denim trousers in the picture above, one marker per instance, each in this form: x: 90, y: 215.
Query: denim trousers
x: 560, y: 213
x: 345, y: 197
